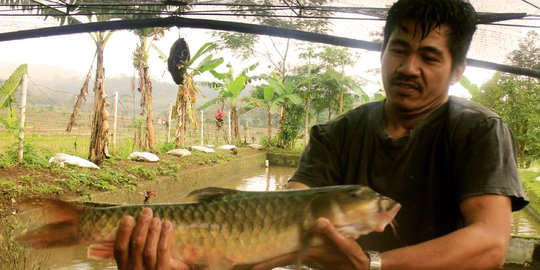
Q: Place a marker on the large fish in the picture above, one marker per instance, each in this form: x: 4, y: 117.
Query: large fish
x: 225, y: 228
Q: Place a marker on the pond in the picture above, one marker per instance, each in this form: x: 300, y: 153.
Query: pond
x: 261, y: 179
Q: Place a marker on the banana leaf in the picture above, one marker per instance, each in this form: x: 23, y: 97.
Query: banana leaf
x: 7, y: 99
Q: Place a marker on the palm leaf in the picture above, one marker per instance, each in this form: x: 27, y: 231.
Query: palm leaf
x: 10, y: 86
x: 208, y: 64
x: 207, y: 47
x: 161, y: 54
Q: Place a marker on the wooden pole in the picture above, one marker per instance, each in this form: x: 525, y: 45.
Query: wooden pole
x: 230, y: 128
x: 169, y: 118
x: 24, y: 90
x: 115, y: 117
x: 202, y: 127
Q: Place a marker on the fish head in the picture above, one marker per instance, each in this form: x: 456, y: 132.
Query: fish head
x: 356, y: 210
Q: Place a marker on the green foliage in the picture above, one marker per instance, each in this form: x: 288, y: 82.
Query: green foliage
x: 532, y: 188
x: 515, y: 99
x: 82, y: 181
x: 290, y: 125
x: 7, y: 99
x: 143, y: 172
x: 166, y: 147
x: 9, y: 189
x: 243, y: 44
x: 33, y: 156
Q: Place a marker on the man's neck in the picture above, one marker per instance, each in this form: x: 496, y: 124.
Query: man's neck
x: 399, y: 123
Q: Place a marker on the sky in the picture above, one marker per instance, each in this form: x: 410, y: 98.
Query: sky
x: 72, y: 55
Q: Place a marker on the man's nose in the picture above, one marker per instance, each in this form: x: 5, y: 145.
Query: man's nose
x: 410, y: 65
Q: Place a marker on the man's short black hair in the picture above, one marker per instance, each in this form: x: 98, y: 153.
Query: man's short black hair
x: 458, y: 15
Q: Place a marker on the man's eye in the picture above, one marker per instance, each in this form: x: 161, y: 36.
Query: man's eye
x: 430, y: 59
x: 397, y: 51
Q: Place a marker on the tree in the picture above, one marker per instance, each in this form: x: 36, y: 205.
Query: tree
x: 275, y: 97
x: 140, y: 62
x: 187, y: 91
x: 247, y: 45
x: 332, y: 57
x: 230, y: 88
x: 68, y: 12
x: 515, y: 99
x: 286, y: 97
x: 264, y: 97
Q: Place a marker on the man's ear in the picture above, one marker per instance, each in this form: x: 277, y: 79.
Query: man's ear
x: 457, y: 72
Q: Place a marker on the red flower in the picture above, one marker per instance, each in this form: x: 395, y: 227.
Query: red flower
x: 219, y: 115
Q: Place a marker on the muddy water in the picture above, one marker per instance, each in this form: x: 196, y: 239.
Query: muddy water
x: 260, y: 179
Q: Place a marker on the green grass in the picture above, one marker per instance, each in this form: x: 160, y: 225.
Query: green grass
x: 532, y: 188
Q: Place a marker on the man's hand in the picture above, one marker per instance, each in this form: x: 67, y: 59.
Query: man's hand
x: 338, y: 252
x: 145, y: 244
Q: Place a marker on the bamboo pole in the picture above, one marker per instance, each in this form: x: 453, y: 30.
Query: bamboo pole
x: 229, y: 138
x: 115, y: 115
x: 169, y: 118
x: 202, y: 127
x: 24, y: 90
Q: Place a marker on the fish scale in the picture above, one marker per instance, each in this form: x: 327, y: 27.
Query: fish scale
x: 224, y: 228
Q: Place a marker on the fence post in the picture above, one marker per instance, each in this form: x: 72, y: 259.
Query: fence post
x: 24, y: 89
x: 230, y: 128
x: 202, y: 127
x: 115, y: 117
x: 169, y: 118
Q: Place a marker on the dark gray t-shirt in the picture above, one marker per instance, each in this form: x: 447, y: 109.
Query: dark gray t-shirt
x: 461, y: 149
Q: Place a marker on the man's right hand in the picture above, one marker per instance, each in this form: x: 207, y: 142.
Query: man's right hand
x: 144, y: 245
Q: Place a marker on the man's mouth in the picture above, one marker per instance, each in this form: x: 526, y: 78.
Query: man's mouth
x: 406, y: 87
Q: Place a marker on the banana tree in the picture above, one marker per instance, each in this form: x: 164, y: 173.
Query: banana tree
x: 188, y: 91
x: 69, y: 12
x: 286, y: 93
x: 7, y: 97
x: 140, y: 62
x: 230, y: 88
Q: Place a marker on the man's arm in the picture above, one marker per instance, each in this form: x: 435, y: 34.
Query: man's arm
x: 296, y: 185
x: 481, y: 244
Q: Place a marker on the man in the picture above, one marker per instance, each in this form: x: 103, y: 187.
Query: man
x: 449, y: 162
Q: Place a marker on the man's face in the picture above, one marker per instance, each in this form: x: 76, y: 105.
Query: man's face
x: 417, y: 72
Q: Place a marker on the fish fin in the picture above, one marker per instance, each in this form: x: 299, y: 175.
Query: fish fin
x: 61, y: 226
x: 101, y: 251
x: 211, y: 193
x: 216, y: 261
x: 305, y: 242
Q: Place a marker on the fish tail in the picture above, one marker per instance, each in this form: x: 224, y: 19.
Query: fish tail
x: 61, y: 226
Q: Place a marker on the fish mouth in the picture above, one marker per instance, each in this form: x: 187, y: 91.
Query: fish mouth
x: 381, y: 218
x: 387, y: 217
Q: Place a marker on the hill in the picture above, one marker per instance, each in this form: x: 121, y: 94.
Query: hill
x: 51, y: 86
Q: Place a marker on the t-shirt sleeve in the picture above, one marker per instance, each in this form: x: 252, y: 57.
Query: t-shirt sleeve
x: 487, y: 163
x: 318, y: 165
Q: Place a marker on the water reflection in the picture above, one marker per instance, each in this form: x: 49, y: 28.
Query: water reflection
x: 265, y: 179
x: 524, y: 224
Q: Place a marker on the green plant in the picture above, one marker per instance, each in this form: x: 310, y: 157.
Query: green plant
x: 9, y: 189
x: 32, y: 156
x: 143, y: 172
x: 7, y: 99
x: 165, y: 147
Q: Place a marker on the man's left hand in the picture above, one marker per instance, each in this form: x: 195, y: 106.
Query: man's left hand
x: 338, y: 252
